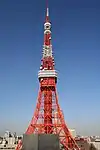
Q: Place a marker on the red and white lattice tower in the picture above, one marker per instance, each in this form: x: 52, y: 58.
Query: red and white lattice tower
x: 48, y: 117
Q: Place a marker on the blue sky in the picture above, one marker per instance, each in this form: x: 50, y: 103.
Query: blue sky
x: 76, y: 47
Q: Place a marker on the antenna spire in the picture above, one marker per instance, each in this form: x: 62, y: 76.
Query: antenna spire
x: 47, y: 7
x: 47, y: 13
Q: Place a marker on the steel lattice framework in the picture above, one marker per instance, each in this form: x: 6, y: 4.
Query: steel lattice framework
x: 48, y: 117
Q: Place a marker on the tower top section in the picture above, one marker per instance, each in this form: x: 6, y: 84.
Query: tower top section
x: 47, y: 46
x: 47, y: 68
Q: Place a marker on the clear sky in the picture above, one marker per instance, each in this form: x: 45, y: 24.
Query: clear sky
x: 76, y: 47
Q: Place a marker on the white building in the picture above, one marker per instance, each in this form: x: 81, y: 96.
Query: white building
x: 96, y: 144
x: 73, y: 132
x: 7, y: 134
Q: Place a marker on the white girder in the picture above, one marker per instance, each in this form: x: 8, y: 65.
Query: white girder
x: 47, y: 73
x: 47, y: 31
x: 47, y: 51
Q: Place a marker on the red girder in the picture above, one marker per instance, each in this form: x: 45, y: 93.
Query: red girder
x: 47, y: 39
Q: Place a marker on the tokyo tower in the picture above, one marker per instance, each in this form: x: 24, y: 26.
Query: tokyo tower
x: 48, y: 117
